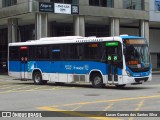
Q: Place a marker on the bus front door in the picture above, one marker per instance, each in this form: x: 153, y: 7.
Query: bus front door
x: 23, y: 62
x: 112, y: 51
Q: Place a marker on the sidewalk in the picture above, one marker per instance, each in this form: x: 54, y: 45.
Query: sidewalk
x: 155, y: 72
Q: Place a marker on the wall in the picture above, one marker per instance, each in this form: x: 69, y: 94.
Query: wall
x: 0, y: 4
x: 154, y: 61
x: 129, y: 31
x: 21, y: 8
x: 153, y: 14
x: 155, y: 40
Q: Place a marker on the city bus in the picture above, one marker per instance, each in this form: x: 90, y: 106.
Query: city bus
x: 117, y: 60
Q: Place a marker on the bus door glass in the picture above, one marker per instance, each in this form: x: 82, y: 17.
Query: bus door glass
x: 55, y: 63
x: 114, y: 60
x: 23, y: 61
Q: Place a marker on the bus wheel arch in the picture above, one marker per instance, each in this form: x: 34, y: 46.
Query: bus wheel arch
x: 37, y: 77
x: 96, y: 79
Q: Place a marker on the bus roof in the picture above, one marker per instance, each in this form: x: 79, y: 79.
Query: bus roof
x: 69, y: 39
x: 130, y: 37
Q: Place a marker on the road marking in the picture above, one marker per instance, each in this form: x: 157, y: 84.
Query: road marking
x: 74, y: 113
x: 6, y: 83
x: 3, y: 84
x: 102, y: 101
x: 38, y: 87
x: 76, y: 108
x: 19, y: 88
x: 34, y: 89
x: 54, y: 108
x: 9, y: 86
x: 108, y: 107
x: 140, y: 105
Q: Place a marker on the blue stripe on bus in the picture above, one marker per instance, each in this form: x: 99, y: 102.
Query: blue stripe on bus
x: 70, y: 67
x: 138, y: 74
x: 131, y: 37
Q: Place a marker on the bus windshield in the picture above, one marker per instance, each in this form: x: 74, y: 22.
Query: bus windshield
x: 136, y: 54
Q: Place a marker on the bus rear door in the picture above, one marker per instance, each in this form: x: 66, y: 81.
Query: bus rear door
x: 56, y: 66
x: 113, y: 53
x: 23, y: 62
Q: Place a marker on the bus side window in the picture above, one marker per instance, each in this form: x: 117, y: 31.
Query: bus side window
x: 72, y: 52
x: 92, y: 51
x: 42, y: 52
x: 79, y: 51
x: 31, y: 55
x: 56, y: 53
x: 14, y: 53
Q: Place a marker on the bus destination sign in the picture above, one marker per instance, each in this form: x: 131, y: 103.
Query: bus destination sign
x: 134, y: 41
x: 111, y: 44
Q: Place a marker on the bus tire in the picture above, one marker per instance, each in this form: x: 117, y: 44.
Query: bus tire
x: 121, y: 86
x: 59, y: 83
x: 37, y: 77
x: 97, y: 81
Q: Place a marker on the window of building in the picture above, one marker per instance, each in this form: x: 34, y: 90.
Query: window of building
x: 6, y: 3
x: 133, y: 4
x: 26, y: 32
x: 62, y: 29
x: 157, y: 5
x: 3, y: 50
x: 65, y: 1
x: 102, y: 3
x: 158, y: 60
x: 97, y: 30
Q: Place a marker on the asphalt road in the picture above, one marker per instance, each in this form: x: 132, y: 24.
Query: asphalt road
x: 16, y: 95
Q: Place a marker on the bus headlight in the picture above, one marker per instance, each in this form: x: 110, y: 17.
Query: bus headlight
x: 128, y: 73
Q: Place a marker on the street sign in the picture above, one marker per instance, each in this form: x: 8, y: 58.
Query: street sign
x: 46, y: 7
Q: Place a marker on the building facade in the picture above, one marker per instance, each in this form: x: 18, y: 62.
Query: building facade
x: 154, y: 19
x: 22, y: 20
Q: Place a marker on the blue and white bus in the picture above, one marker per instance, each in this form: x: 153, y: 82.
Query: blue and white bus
x: 117, y: 60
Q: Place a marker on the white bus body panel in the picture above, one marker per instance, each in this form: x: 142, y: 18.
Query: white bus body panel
x: 54, y: 77
x: 70, y: 78
x: 63, y: 77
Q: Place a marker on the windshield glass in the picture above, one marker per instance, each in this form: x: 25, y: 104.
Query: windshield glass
x: 136, y: 54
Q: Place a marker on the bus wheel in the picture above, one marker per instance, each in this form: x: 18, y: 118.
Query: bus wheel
x: 121, y: 86
x: 37, y: 77
x: 59, y: 83
x: 97, y: 81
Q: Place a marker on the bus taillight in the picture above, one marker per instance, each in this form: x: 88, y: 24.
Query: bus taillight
x: 23, y: 48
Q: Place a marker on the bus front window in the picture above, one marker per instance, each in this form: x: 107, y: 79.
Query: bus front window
x: 137, y: 57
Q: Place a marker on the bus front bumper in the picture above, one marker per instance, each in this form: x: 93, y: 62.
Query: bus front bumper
x: 136, y: 80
